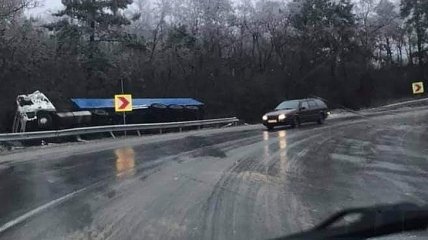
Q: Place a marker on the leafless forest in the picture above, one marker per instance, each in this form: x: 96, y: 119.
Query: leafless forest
x: 239, y: 57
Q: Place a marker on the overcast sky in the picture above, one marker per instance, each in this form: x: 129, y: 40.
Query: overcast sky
x: 47, y: 7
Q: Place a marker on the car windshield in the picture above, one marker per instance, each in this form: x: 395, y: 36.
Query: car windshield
x: 293, y: 104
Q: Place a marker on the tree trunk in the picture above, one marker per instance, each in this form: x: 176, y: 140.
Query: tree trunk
x: 410, y: 57
x: 400, y: 53
x: 388, y: 50
x: 90, y: 69
x: 420, y: 32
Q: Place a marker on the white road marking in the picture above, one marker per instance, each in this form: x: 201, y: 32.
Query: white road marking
x: 38, y: 210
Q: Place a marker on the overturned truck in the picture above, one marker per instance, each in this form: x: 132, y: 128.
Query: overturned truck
x: 35, y: 112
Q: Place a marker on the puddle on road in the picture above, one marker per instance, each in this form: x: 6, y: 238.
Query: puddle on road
x: 125, y: 162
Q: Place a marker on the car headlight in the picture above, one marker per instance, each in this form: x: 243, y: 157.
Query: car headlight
x: 281, y: 117
x: 264, y: 117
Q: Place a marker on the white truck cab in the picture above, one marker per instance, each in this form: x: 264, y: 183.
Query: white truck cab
x: 33, y: 111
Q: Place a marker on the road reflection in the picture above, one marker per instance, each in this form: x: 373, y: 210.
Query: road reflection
x: 125, y: 162
x: 283, y: 160
x: 274, y: 156
x: 281, y: 138
x: 265, y: 135
x: 266, y: 148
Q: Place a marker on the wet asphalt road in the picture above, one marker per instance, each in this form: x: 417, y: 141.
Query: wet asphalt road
x: 235, y: 183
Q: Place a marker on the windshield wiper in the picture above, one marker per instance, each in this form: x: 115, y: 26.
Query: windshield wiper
x: 373, y: 221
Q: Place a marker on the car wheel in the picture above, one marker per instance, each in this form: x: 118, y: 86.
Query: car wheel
x: 296, y: 122
x: 44, y: 120
x: 321, y: 119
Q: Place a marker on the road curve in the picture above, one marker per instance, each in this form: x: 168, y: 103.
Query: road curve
x: 234, y: 183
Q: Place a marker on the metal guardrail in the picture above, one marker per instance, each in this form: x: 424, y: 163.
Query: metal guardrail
x: 7, y: 137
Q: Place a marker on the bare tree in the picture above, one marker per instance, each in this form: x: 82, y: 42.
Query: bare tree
x: 12, y: 8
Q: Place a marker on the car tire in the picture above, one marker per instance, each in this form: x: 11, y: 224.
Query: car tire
x: 321, y: 119
x: 44, y: 121
x: 296, y: 122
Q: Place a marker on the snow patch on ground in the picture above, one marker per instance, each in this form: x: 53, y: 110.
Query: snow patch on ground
x: 341, y: 113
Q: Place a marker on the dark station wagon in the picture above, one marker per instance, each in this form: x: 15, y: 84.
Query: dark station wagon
x: 295, y: 112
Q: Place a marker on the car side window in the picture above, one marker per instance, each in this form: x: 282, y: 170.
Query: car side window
x: 304, y: 105
x: 321, y: 104
x: 313, y: 104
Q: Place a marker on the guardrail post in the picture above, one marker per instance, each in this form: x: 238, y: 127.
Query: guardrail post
x: 112, y: 134
x: 180, y: 129
x: 139, y: 133
x: 160, y: 130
